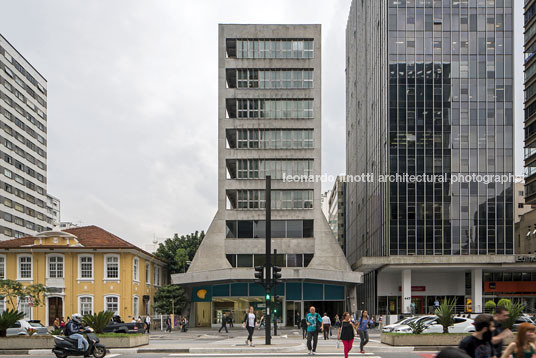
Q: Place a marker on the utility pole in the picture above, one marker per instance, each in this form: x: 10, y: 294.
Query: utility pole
x: 274, y: 283
x: 268, y: 265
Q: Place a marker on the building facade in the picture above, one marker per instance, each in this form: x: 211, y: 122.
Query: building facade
x: 429, y: 94
x: 269, y: 124
x: 54, y: 210
x: 337, y: 212
x: 86, y: 270
x: 530, y: 100
x: 23, y: 149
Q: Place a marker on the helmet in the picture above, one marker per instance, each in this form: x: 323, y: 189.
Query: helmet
x: 77, y: 318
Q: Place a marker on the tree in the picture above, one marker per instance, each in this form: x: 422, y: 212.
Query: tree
x: 164, y: 297
x: 13, y: 291
x: 179, y: 250
x: 98, y: 321
x: 490, y: 306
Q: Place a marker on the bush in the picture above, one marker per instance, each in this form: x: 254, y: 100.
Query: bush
x: 417, y: 326
x: 56, y: 332
x: 490, y: 306
x: 515, y: 311
x: 98, y: 321
x: 445, y: 312
x: 8, y: 319
x: 504, y: 302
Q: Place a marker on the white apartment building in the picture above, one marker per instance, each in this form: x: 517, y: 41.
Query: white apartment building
x: 23, y: 146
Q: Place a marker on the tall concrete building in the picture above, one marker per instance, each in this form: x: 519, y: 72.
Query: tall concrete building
x: 269, y: 122
x: 530, y: 101
x: 23, y: 148
x: 429, y: 91
x: 337, y: 211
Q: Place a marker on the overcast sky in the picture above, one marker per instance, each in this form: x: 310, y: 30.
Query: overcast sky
x: 132, y: 102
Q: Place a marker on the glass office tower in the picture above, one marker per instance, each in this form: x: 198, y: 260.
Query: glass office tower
x: 430, y: 91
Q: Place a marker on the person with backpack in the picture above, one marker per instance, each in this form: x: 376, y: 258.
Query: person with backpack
x: 346, y: 333
x: 363, y: 325
x: 168, y: 324
x: 73, y: 330
x: 250, y: 322
x: 314, y: 325
x: 478, y: 344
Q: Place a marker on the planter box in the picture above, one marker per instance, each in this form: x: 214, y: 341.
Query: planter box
x: 433, y: 339
x: 47, y: 342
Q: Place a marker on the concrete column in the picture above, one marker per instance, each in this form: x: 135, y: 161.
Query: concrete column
x: 476, y: 290
x: 406, y: 291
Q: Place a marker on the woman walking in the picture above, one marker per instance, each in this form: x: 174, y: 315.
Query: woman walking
x: 363, y: 325
x: 250, y: 322
x: 523, y: 346
x: 346, y: 333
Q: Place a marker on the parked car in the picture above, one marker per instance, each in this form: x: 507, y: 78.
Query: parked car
x: 118, y: 326
x: 461, y: 325
x: 404, y: 328
x: 21, y: 326
x: 405, y: 320
x: 522, y: 319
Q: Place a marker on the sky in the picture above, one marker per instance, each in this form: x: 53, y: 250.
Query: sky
x: 132, y: 102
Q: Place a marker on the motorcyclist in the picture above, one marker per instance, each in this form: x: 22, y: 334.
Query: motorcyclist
x: 73, y: 329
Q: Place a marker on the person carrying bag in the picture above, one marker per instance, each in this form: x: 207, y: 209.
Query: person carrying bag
x: 346, y: 333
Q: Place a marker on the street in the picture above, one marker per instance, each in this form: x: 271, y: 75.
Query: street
x: 210, y: 344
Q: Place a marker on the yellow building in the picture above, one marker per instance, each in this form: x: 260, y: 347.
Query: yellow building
x: 87, y: 270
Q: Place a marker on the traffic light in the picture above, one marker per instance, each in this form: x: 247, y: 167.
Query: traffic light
x: 276, y: 275
x: 259, y: 275
x: 268, y: 296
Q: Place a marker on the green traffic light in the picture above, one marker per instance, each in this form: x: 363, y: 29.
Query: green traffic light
x: 268, y: 296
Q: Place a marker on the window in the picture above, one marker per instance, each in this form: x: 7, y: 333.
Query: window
x: 25, y: 268
x: 55, y: 266
x: 135, y: 306
x: 136, y: 269
x: 2, y: 269
x: 24, y: 307
x: 148, y: 273
x: 111, y: 303
x: 157, y: 271
x: 85, y: 305
x: 112, y: 266
x: 85, y: 267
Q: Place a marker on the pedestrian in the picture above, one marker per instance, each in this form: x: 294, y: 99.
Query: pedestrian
x: 412, y: 307
x: 223, y: 323
x: 230, y: 320
x: 297, y: 320
x: 380, y: 321
x: 56, y: 323
x: 500, y: 333
x: 304, y: 327
x: 148, y: 324
x: 184, y: 324
x: 478, y: 344
x: 523, y: 347
x: 436, y: 304
x: 326, y: 324
x: 62, y: 323
x: 363, y: 325
x: 346, y: 333
x: 168, y: 324
x: 250, y: 322
x: 452, y: 352
x: 314, y: 325
x: 261, y: 324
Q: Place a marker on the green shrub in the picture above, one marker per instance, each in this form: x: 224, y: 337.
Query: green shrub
x: 445, y: 312
x: 98, y: 321
x: 490, y: 306
x: 56, y: 332
x: 417, y: 326
x: 8, y: 319
x: 504, y: 302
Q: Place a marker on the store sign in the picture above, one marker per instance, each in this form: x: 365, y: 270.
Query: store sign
x: 526, y: 258
x: 415, y: 288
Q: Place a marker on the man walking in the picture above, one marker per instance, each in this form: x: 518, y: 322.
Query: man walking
x: 168, y: 324
x: 326, y: 325
x: 223, y: 323
x: 478, y: 345
x: 500, y: 333
x: 314, y: 325
x: 148, y: 324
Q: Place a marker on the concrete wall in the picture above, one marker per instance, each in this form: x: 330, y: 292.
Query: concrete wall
x: 436, y: 283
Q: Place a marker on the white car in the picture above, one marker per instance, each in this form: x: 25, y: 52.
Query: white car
x: 404, y: 328
x: 461, y: 325
x: 390, y: 327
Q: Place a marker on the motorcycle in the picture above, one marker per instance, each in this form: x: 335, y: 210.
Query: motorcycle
x: 65, y: 346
